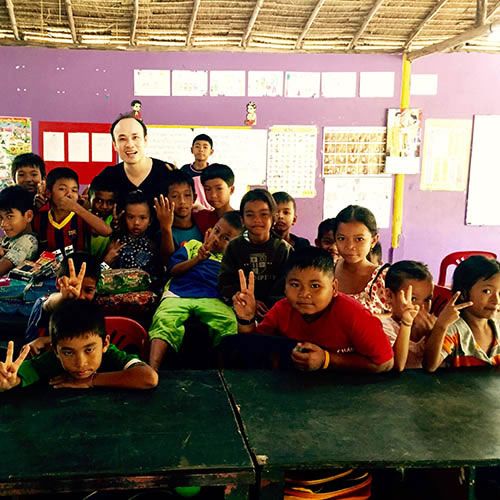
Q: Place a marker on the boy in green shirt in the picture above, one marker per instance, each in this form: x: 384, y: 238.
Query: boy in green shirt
x: 82, y: 357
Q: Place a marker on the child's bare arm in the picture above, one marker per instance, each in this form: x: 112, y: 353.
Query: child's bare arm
x: 165, y: 214
x: 244, y: 303
x: 38, y: 345
x: 9, y: 368
x: 402, y: 343
x: 136, y: 377
x: 203, y: 254
x: 96, y: 223
x: 353, y: 362
x: 450, y: 313
x: 5, y: 266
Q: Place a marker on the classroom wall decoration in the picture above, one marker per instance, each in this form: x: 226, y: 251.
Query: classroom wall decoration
x: 189, y: 83
x: 339, y: 83
x: 291, y: 160
x: 353, y: 150
x: 446, y: 155
x: 15, y: 139
x: 374, y: 193
x: 227, y: 83
x: 484, y: 176
x: 151, y: 82
x: 302, y: 84
x: 403, y: 141
x: 265, y: 83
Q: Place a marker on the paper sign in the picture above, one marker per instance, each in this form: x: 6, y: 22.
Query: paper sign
x: 15, y: 139
x: 423, y: 84
x: 265, y: 83
x: 227, y: 83
x: 302, y: 84
x: 152, y: 82
x: 189, y: 83
x: 53, y: 146
x: 376, y: 84
x: 102, y: 148
x: 338, y: 84
x: 78, y: 146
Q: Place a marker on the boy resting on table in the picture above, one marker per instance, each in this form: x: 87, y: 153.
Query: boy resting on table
x: 82, y: 357
x: 324, y: 329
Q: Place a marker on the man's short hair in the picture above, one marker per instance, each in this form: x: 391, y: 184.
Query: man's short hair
x: 179, y: 177
x: 233, y: 218
x: 314, y: 257
x: 61, y: 173
x: 204, y: 137
x: 283, y: 197
x: 93, y: 269
x: 218, y: 171
x: 28, y: 160
x: 76, y: 318
x: 326, y: 226
x: 404, y: 270
x: 124, y: 116
x: 16, y: 197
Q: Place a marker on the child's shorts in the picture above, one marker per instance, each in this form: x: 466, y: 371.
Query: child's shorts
x: 169, y: 319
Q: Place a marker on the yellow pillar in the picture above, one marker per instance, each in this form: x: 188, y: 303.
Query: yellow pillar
x: 399, y: 182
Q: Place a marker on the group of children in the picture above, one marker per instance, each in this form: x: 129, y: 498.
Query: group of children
x: 265, y: 295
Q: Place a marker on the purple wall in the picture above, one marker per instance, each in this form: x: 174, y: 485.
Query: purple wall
x: 98, y: 85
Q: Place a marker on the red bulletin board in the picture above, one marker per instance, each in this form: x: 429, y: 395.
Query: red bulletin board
x: 86, y: 170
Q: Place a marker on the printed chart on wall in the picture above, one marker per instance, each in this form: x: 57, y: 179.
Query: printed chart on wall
x: 373, y: 193
x: 15, y: 139
x: 353, y: 150
x: 446, y: 155
x: 291, y: 160
x: 484, y: 178
x: 242, y: 149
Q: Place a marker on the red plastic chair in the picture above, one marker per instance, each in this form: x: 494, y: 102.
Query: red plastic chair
x: 440, y: 297
x: 453, y: 259
x: 128, y: 335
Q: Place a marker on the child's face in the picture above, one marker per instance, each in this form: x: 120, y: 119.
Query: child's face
x: 81, y: 357
x: 257, y: 219
x: 218, y: 193
x: 103, y: 203
x: 354, y: 241
x: 327, y: 242
x: 284, y: 217
x: 13, y: 222
x: 129, y: 141
x: 221, y: 234
x: 310, y: 290
x: 63, y: 188
x: 201, y: 150
x: 137, y: 219
x: 28, y: 178
x: 485, y: 295
x: 183, y: 197
x: 421, y: 296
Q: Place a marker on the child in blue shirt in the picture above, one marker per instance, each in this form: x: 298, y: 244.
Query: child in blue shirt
x: 193, y: 290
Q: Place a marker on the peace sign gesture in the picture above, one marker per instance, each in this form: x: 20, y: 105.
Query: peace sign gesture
x: 244, y: 300
x: 41, y: 195
x: 164, y: 212
x: 115, y: 221
x: 206, y: 248
x: 451, y: 312
x: 409, y: 310
x: 70, y: 287
x: 9, y: 368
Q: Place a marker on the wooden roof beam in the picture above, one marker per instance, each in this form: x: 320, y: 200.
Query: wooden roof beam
x: 255, y: 13
x: 454, y: 41
x: 71, y: 20
x: 493, y: 11
x: 367, y: 20
x: 481, y: 11
x: 133, y: 27
x: 308, y: 25
x: 421, y: 26
x: 12, y: 15
x: 194, y: 14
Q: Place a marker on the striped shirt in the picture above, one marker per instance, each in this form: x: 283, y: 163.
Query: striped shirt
x: 461, y: 349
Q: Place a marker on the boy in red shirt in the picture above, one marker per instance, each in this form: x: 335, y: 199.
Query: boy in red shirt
x: 325, y: 328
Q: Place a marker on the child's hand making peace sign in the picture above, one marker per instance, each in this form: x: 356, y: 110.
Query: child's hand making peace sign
x: 451, y: 312
x: 244, y: 300
x: 9, y: 368
x: 71, y: 287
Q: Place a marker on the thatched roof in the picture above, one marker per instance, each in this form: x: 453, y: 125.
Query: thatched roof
x: 359, y: 26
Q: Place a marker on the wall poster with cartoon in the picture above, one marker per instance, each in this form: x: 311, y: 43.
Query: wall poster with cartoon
x: 15, y: 139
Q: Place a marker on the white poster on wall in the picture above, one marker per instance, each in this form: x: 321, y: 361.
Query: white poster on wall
x: 151, y: 82
x: 374, y: 193
x: 78, y: 146
x: 376, y: 84
x: 53, y: 146
x: 227, y: 83
x: 189, y: 83
x: 265, y: 83
x: 302, y: 84
x: 338, y: 83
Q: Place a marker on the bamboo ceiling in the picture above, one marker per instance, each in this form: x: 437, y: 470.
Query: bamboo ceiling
x: 307, y: 26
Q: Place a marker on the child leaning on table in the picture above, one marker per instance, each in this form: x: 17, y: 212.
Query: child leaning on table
x: 467, y: 331
x: 326, y: 328
x: 409, y: 288
x: 82, y: 357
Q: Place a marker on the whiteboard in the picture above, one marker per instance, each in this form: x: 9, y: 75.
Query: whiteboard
x: 484, y: 174
x: 244, y: 150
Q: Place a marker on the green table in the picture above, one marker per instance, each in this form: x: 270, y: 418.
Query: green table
x: 320, y: 420
x: 182, y: 433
